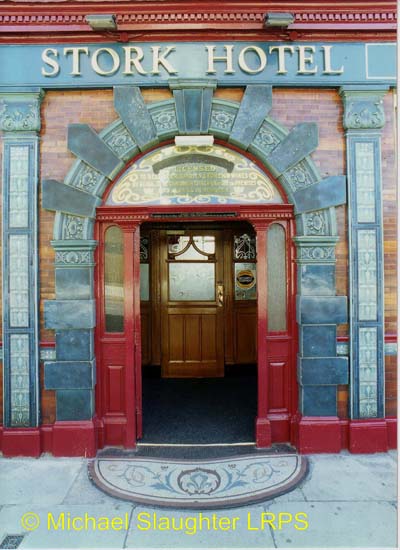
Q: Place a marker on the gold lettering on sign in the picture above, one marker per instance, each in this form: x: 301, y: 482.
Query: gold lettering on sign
x: 261, y: 57
x: 151, y: 60
x: 135, y: 61
x: 115, y: 60
x: 305, y: 60
x: 159, y: 59
x: 327, y: 62
x: 50, y: 61
x: 76, y: 51
x: 228, y: 58
x: 281, y: 56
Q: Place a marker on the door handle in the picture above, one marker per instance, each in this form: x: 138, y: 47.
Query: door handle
x: 220, y: 295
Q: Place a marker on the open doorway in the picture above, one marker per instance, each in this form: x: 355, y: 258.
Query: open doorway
x: 199, y: 333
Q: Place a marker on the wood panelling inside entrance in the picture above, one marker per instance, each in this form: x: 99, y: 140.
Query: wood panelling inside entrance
x: 198, y: 298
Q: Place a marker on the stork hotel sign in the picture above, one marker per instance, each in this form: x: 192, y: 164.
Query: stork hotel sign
x: 233, y: 64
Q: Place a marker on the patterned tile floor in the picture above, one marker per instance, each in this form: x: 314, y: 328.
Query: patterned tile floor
x: 199, y: 484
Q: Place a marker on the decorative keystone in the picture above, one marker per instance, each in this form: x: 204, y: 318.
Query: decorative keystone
x: 193, y: 101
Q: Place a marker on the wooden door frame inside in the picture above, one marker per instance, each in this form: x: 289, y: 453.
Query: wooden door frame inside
x: 260, y: 217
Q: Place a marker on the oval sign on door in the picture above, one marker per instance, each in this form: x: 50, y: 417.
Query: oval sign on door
x: 245, y: 279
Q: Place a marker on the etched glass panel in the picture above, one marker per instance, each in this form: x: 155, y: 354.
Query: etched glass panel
x: 368, y: 371
x: 177, y: 243
x: 244, y: 247
x: 114, y: 280
x: 144, y: 249
x: 367, y: 280
x: 276, y: 278
x: 19, y: 363
x: 19, y: 280
x: 365, y: 178
x: 192, y: 281
x: 145, y: 282
x: 19, y: 179
x: 245, y: 281
x: 191, y: 248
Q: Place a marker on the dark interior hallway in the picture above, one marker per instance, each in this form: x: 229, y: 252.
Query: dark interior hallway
x: 199, y: 410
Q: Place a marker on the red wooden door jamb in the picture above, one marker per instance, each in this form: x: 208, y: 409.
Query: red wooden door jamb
x: 129, y: 219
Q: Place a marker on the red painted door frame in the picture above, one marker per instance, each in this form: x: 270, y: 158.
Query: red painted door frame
x: 123, y: 424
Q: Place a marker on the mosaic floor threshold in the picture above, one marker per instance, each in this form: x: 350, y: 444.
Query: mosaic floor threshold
x: 199, y: 484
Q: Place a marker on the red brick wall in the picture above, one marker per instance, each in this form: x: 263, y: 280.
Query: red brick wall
x: 390, y: 211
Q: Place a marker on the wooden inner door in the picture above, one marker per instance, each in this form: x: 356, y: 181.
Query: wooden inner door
x: 192, y: 303
x: 185, y: 330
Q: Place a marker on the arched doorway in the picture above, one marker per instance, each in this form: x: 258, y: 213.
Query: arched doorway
x: 195, y: 201
x: 286, y: 154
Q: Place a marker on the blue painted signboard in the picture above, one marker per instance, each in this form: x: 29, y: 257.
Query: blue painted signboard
x: 232, y: 64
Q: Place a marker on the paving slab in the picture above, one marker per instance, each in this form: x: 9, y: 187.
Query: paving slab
x: 82, y: 491
x: 34, y: 481
x: 338, y: 525
x: 351, y: 477
x: 296, y: 495
x: 393, y: 454
x: 236, y: 535
x: 350, y: 502
x: 44, y: 537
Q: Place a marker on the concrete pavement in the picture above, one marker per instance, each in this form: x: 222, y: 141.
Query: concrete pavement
x: 346, y: 501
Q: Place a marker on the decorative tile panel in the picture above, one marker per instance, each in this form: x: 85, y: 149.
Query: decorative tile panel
x: 316, y: 223
x: 20, y: 112
x: 47, y: 354
x: 19, y: 358
x: 18, y: 281
x: 87, y: 178
x: 365, y: 181
x: 164, y: 120
x: 265, y: 139
x: 368, y: 371
x: 120, y: 141
x: 367, y: 276
x: 73, y: 258
x: 18, y: 191
x: 73, y: 227
x: 363, y: 118
x: 222, y: 119
x: 19, y: 116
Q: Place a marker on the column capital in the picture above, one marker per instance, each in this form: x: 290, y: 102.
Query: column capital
x: 363, y: 108
x: 74, y: 253
x: 20, y: 110
x: 315, y: 249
